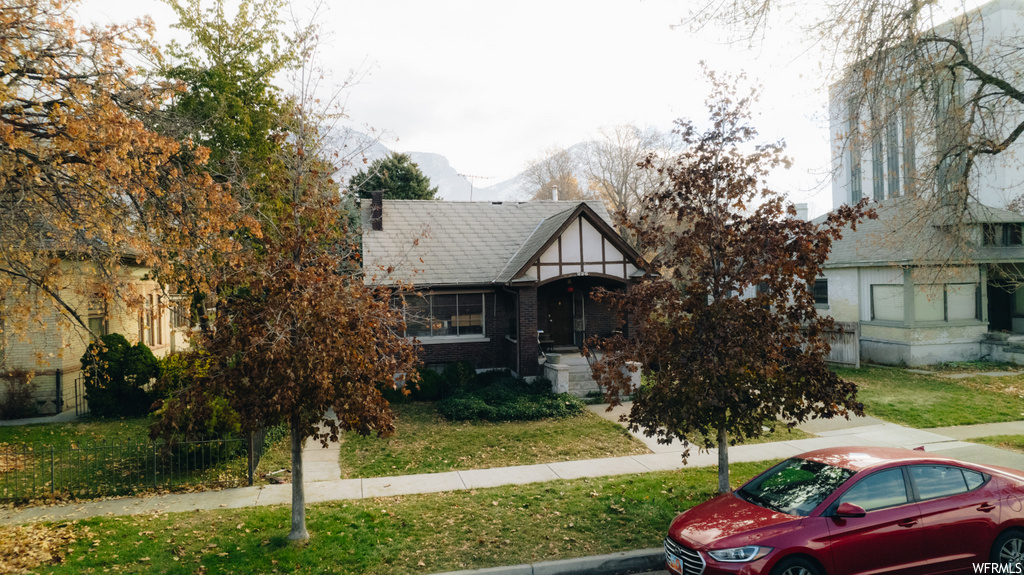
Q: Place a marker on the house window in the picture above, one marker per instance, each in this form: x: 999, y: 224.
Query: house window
x: 97, y: 317
x: 877, y: 161
x: 929, y: 303
x: 820, y: 290
x: 856, y: 185
x: 893, y: 159
x: 181, y: 316
x: 1002, y: 234
x: 949, y: 302
x: 436, y: 315
x: 887, y: 302
x: 1014, y: 234
x: 146, y: 317
x: 961, y: 301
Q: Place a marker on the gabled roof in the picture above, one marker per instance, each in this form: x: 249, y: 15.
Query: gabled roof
x: 908, y: 232
x: 433, y: 243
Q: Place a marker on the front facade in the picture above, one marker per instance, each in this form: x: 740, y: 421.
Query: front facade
x: 497, y: 284
x: 52, y: 347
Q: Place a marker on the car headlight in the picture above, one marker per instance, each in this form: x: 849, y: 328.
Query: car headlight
x: 739, y: 554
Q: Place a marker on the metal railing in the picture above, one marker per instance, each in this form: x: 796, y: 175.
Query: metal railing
x: 29, y: 471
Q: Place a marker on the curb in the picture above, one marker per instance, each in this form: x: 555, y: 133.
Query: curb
x: 614, y: 564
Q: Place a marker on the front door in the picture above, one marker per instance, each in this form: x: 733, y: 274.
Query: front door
x: 560, y: 317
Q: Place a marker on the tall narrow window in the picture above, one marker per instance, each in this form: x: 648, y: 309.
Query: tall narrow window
x: 949, y: 135
x: 893, y: 158
x: 148, y: 319
x: 877, y: 159
x: 820, y: 290
x: 909, y: 151
x: 856, y: 185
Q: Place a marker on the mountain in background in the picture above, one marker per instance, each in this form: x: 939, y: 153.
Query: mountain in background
x: 358, y: 150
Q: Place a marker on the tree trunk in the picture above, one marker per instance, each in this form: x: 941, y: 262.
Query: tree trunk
x: 723, y: 460
x: 299, y: 532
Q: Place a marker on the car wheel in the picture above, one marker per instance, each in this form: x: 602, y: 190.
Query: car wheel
x: 796, y: 566
x: 1009, y: 549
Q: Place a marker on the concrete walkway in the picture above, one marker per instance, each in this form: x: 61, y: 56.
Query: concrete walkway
x: 323, y: 481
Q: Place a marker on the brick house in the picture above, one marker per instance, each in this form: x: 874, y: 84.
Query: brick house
x: 53, y: 346
x: 498, y: 283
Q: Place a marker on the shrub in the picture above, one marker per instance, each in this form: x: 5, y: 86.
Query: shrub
x: 179, y: 370
x: 457, y: 377
x: 509, y: 398
x: 115, y: 374
x: 194, y: 417
x: 19, y: 395
x: 429, y: 387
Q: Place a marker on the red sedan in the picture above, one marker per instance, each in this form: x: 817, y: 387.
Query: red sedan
x: 857, y: 510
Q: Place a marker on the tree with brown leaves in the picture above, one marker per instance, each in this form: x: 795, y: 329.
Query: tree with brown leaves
x: 730, y: 339
x: 300, y: 334
x: 88, y: 193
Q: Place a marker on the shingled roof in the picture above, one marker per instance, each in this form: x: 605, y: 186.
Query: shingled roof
x: 460, y: 243
x: 906, y: 233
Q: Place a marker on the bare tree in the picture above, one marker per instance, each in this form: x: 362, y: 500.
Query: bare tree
x: 927, y: 101
x: 613, y: 170
x: 556, y: 169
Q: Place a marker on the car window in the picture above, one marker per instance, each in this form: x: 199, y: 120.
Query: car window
x: 975, y: 479
x: 795, y: 486
x: 934, y: 481
x: 878, y: 490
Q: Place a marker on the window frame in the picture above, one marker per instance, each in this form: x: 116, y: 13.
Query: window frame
x: 907, y: 486
x: 431, y: 321
x: 820, y: 283
x: 917, y: 494
x: 871, y: 295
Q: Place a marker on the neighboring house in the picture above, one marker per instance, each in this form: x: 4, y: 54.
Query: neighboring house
x: 921, y: 293
x: 498, y: 283
x: 914, y: 306
x: 52, y: 347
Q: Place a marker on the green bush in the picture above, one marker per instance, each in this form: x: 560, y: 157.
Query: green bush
x: 430, y: 386
x: 115, y: 374
x: 508, y: 398
x: 457, y: 377
x: 180, y: 370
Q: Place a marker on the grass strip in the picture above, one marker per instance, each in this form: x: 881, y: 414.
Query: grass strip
x: 410, y: 534
x: 425, y: 442
x: 1010, y: 442
x: 925, y: 400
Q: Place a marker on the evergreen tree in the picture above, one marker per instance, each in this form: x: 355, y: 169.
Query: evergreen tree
x: 397, y: 176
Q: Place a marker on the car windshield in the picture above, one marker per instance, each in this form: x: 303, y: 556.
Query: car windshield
x: 795, y: 486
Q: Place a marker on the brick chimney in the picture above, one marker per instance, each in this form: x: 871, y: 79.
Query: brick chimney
x: 377, y: 210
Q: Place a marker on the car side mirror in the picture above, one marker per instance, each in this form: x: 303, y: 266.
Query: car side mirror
x: 847, y: 509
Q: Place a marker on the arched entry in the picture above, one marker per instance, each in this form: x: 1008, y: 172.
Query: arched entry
x: 567, y: 314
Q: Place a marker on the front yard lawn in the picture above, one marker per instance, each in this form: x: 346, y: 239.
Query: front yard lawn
x: 926, y: 400
x: 84, y: 431
x: 425, y: 442
x: 410, y: 534
x: 1010, y: 442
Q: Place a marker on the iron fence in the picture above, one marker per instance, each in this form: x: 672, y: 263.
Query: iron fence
x: 102, y: 468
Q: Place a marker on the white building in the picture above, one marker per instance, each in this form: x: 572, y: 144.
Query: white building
x: 929, y: 281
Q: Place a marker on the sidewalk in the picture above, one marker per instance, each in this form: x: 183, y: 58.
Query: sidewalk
x: 322, y: 471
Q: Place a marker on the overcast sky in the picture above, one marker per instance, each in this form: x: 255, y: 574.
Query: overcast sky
x: 491, y: 84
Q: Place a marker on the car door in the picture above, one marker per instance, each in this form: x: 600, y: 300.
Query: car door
x: 888, y: 538
x: 959, y: 515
